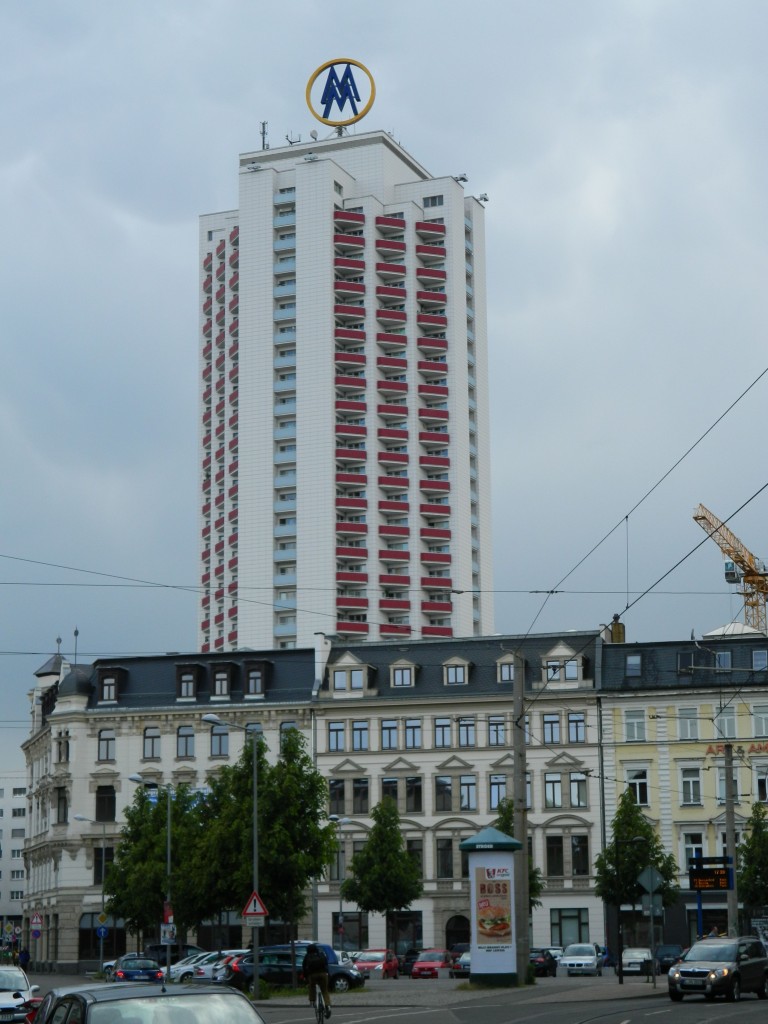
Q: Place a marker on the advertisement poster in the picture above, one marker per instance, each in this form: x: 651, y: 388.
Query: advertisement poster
x: 493, y: 906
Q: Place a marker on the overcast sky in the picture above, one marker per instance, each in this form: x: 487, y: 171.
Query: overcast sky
x: 623, y: 147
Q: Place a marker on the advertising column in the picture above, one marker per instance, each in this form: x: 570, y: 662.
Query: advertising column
x: 493, y: 927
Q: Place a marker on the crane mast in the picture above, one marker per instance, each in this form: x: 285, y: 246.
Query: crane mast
x: 746, y: 569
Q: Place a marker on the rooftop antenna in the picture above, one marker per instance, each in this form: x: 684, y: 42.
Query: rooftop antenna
x: 77, y: 634
x: 291, y: 141
x: 263, y: 132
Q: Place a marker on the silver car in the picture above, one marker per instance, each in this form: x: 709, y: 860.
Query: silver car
x: 581, y: 958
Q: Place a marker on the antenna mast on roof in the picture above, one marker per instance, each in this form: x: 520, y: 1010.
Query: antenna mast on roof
x: 263, y: 132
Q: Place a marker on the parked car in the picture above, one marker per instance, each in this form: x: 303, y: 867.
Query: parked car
x: 721, y: 967
x: 461, y: 968
x: 109, y: 965
x: 89, y: 1004
x: 17, y: 996
x: 408, y: 959
x: 667, y: 954
x: 203, y: 969
x: 135, y: 968
x: 159, y: 951
x: 342, y: 973
x: 581, y: 958
x: 431, y: 962
x: 637, y: 960
x: 556, y: 951
x: 544, y: 964
x: 184, y: 970
x: 382, y: 963
x: 458, y: 948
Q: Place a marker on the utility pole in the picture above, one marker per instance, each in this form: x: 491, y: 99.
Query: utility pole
x: 520, y: 817
x: 730, y: 841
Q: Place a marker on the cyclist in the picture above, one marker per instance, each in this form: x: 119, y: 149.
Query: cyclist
x: 315, y: 970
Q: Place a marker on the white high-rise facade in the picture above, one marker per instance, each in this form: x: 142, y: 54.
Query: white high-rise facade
x: 344, y: 402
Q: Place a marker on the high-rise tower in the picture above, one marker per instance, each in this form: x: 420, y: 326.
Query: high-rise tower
x: 344, y: 401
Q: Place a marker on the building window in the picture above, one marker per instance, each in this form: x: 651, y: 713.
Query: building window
x: 633, y: 666
x: 577, y: 727
x: 401, y: 676
x: 578, y: 782
x: 637, y: 781
x: 431, y: 201
x: 335, y: 737
x: 634, y: 726
x: 572, y: 669
x: 528, y: 791
x: 442, y: 732
x: 336, y: 796
x: 759, y: 661
x: 553, y: 790
x: 415, y: 850
x: 721, y: 791
x: 444, y: 859
x: 725, y: 723
x: 760, y: 718
x: 254, y: 681
x: 108, y: 688
x: 359, y: 735
x: 762, y: 783
x: 498, y: 790
x: 389, y: 734
x: 505, y: 672
x: 414, y: 803
x: 553, y: 670
x: 101, y: 858
x: 554, y: 850
x: 151, y: 742
x: 389, y: 789
x: 412, y: 733
x: 106, y: 803
x: 466, y: 732
x: 688, y: 723
x: 17, y: 894
x: 551, y: 725
x: 690, y: 785
x: 62, y: 806
x: 684, y: 663
x: 693, y: 847
x: 360, y: 796
x: 186, y: 687
x: 569, y: 925
x: 18, y: 812
x: 185, y: 741
x: 347, y: 679
x: 496, y: 731
x: 580, y: 855
x: 443, y: 793
x: 455, y: 675
x: 219, y: 741
x: 106, y: 744
x: 468, y: 792
x: 723, y: 661
x: 62, y: 747
x: 221, y: 684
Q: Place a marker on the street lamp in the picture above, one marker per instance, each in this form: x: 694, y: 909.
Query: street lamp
x: 338, y: 822
x: 168, y: 905
x: 215, y: 720
x: 618, y: 843
x: 90, y: 821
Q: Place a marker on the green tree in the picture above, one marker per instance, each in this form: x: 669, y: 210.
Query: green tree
x: 752, y: 875
x: 506, y: 823
x: 633, y: 846
x: 384, y: 877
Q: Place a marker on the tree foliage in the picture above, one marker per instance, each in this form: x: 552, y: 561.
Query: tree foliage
x: 752, y: 876
x: 384, y: 877
x: 506, y: 823
x: 633, y: 846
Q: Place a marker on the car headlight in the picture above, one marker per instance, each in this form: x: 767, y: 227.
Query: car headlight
x: 674, y: 974
x: 719, y: 972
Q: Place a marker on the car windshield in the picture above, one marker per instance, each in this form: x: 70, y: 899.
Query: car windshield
x: 371, y: 958
x: 579, y: 950
x: 725, y: 951
x: 429, y: 957
x: 211, y: 1007
x: 11, y: 980
x: 139, y: 965
x: 637, y: 954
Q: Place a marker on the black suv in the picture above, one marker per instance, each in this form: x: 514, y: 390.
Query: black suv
x: 715, y: 967
x: 667, y: 954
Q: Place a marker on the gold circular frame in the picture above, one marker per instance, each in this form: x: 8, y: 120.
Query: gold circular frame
x: 324, y: 67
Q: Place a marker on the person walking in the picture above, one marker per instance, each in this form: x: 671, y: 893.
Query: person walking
x: 315, y: 969
x: 24, y: 958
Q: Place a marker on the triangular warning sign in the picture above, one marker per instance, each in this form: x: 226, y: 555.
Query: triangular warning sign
x: 254, y: 907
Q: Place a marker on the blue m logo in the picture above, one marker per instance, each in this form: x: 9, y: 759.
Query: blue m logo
x: 340, y: 90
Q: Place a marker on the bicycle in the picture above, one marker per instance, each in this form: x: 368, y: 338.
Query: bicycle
x: 319, y: 1005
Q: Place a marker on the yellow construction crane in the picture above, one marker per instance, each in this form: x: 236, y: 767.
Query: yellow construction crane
x: 741, y: 567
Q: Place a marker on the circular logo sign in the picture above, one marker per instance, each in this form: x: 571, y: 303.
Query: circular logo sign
x: 339, y: 87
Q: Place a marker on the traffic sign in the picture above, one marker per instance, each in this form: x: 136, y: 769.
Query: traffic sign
x: 36, y: 920
x: 254, y: 907
x: 102, y: 932
x: 36, y: 933
x: 102, y: 918
x: 719, y: 878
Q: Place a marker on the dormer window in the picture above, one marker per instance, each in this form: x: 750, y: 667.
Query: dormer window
x: 187, y: 681
x: 561, y: 665
x: 402, y: 674
x: 347, y: 679
x: 108, y: 688
x: 456, y: 673
x: 254, y: 679
x: 110, y: 680
x: 505, y: 671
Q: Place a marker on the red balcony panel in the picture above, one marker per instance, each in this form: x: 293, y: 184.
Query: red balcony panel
x: 208, y: 350
x: 394, y: 556
x: 234, y: 304
x: 433, y: 390
x: 349, y: 358
x: 351, y: 577
x: 219, y: 570
x: 393, y: 458
x: 432, y: 367
x: 221, y: 291
x: 233, y: 397
x: 207, y: 420
x: 394, y: 580
x: 208, y: 261
x: 207, y: 328
x: 351, y: 478
x: 349, y: 380
x: 221, y: 337
x: 389, y: 245
x: 428, y: 228
x: 350, y: 454
x: 206, y: 462
x: 232, y: 492
x: 205, y: 624
x: 232, y: 613
x: 430, y: 274
x: 207, y: 306
x: 206, y: 508
x: 391, y: 629
x: 392, y: 434
x: 390, y: 270
x: 432, y: 345
x: 393, y: 506
x: 220, y: 359
x: 350, y: 405
x: 219, y: 523
x: 219, y: 500
x: 391, y: 604
x: 205, y: 578
x: 431, y: 252
x: 342, y: 626
x: 206, y: 600
x: 232, y: 540
x: 434, y: 436
x: 234, y: 281
x: 437, y: 631
x: 219, y: 451
x: 218, y: 594
x: 219, y: 476
x: 232, y: 636
x: 233, y: 467
x: 221, y: 271
x: 431, y: 298
x: 207, y: 440
x: 347, y: 217
x: 389, y: 340
x: 234, y: 327
x: 233, y: 444
x: 383, y: 222
x: 350, y: 430
x: 233, y: 421
x: 205, y: 648
x: 351, y: 602
x: 394, y: 409
x: 348, y: 263
x: 395, y: 483
x: 442, y: 486
x: 433, y: 533
x: 232, y: 517
x: 433, y: 509
x: 391, y: 316
x: 342, y: 287
x: 232, y: 588
x: 344, y: 241
x: 219, y: 409
x: 351, y: 528
x: 431, y: 320
x: 218, y: 618
x: 392, y: 362
x: 234, y: 259
x: 234, y: 235
x: 437, y: 582
x: 220, y: 317
x: 435, y: 558
x: 388, y: 291
x: 392, y: 386
x: 346, y: 551
x: 207, y: 372
x: 347, y: 503
x: 233, y: 350
x: 218, y: 643
x: 394, y: 531
x: 433, y: 414
x: 205, y: 555
x: 221, y: 247
x: 205, y: 533
x: 440, y: 461
x: 348, y: 334
x: 206, y: 485
x: 437, y: 607
x: 232, y: 563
